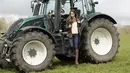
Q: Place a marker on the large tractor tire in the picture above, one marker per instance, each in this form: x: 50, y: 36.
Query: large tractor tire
x: 32, y: 51
x: 100, y: 41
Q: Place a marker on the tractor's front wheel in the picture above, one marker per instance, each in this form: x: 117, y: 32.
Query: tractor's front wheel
x: 33, y: 51
x: 100, y: 41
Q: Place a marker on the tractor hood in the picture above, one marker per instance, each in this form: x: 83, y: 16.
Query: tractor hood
x: 20, y: 23
x: 29, y: 19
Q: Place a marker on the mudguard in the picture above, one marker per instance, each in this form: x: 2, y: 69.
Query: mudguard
x: 93, y: 16
x: 14, y: 28
x: 100, y: 15
x: 27, y: 28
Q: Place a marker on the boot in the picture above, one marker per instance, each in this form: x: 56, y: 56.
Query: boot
x: 76, y: 56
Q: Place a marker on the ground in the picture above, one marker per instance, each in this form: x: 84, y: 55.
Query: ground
x: 120, y: 64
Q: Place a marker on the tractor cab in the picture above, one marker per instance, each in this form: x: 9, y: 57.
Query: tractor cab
x: 40, y: 7
x: 59, y: 10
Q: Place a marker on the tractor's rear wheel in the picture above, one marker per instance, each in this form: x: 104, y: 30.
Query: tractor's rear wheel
x: 100, y: 41
x: 33, y: 51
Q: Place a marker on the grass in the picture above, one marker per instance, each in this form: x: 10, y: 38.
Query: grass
x: 121, y: 64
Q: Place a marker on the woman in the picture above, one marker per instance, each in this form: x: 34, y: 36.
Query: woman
x: 72, y: 22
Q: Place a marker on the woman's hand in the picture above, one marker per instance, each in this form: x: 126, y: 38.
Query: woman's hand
x: 78, y: 20
x: 70, y: 26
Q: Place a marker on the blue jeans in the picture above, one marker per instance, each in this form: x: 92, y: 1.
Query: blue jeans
x: 74, y: 41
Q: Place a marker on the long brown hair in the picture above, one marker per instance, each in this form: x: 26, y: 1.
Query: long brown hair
x: 69, y: 20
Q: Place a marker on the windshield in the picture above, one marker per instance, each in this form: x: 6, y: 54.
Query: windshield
x: 45, y: 8
x: 89, y: 5
x: 78, y: 5
x: 51, y: 6
x: 66, y: 8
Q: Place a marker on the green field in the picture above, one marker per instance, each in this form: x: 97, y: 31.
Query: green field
x: 121, y: 64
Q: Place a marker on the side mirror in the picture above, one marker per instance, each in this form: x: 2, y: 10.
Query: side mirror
x: 32, y: 5
x: 96, y: 2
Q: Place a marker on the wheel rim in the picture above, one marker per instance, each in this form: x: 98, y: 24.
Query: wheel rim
x: 34, y: 52
x: 101, y: 41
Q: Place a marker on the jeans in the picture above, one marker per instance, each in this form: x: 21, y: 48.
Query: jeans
x: 74, y: 41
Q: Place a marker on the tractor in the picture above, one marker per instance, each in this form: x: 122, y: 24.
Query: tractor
x: 30, y: 44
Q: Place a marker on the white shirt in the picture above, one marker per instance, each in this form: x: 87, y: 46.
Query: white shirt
x: 74, y: 28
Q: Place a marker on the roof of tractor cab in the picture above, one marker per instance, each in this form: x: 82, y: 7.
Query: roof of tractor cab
x: 44, y: 1
x: 62, y: 1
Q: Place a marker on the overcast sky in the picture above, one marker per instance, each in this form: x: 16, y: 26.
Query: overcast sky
x: 118, y: 9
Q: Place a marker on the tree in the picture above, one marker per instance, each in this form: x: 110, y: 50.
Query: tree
x: 3, y: 25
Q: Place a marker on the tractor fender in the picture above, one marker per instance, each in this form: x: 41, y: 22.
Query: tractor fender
x: 28, y: 28
x: 91, y: 17
x: 84, y: 25
x: 100, y: 15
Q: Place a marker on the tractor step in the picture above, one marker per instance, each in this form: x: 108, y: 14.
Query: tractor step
x: 62, y: 44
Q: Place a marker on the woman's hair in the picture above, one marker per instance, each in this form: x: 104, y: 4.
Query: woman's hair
x: 73, y: 12
x: 69, y: 20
